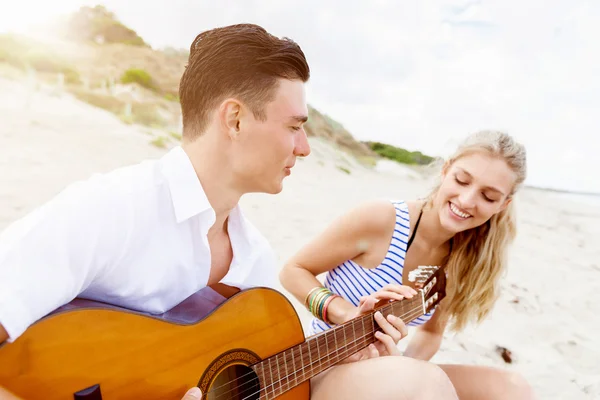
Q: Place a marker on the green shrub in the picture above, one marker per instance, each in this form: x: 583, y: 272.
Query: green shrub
x: 399, y: 154
x: 344, y: 169
x: 139, y: 76
x: 177, y: 136
x: 160, y: 142
x: 171, y: 97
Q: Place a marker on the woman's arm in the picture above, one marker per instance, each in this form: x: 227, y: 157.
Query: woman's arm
x: 348, y: 237
x: 428, y: 337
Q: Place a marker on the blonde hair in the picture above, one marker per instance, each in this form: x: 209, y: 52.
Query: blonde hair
x: 478, y: 256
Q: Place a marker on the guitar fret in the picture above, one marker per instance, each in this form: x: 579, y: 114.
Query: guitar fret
x: 287, y: 376
x: 295, y: 368
x: 277, y: 370
x: 353, y: 330
x: 319, y: 360
x: 345, y: 339
x: 336, y: 343
x: 271, y: 374
x: 326, y: 348
x: 302, y: 361
x: 309, y: 355
x: 364, y: 332
x: 263, y: 386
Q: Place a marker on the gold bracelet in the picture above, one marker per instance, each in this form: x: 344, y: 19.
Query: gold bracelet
x: 310, y: 293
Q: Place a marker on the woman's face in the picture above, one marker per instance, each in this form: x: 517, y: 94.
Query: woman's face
x: 473, y: 189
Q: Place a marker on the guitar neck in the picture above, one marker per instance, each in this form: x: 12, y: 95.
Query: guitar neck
x: 291, y: 367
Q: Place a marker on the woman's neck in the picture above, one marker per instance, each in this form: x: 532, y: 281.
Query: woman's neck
x: 431, y: 232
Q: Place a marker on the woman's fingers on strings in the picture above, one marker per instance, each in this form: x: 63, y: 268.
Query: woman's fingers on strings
x: 406, y: 291
x: 399, y: 324
x: 387, y: 326
x: 386, y: 294
x: 389, y: 346
x: 367, y: 303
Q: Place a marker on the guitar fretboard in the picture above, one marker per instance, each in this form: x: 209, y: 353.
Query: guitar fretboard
x: 295, y: 365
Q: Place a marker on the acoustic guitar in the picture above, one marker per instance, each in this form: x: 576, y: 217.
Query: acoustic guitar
x: 244, y: 346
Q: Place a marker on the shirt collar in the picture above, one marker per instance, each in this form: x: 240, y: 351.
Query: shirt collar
x: 187, y: 193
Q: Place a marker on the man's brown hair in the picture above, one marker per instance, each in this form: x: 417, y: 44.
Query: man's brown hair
x: 242, y: 61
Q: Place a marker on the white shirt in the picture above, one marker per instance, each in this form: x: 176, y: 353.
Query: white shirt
x: 135, y: 237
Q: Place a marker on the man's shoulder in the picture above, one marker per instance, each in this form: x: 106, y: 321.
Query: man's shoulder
x: 114, y: 186
x: 96, y: 195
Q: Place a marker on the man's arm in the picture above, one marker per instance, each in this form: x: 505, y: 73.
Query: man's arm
x: 51, y: 255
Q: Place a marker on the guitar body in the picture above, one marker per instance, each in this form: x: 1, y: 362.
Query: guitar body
x: 206, y: 341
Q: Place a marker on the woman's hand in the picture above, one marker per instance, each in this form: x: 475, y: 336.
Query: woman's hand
x: 393, y: 328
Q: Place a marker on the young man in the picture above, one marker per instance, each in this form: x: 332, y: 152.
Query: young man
x: 147, y: 236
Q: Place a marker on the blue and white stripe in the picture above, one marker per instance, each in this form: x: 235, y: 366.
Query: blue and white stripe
x: 351, y: 281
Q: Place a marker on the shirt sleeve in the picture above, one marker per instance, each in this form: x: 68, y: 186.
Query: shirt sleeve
x: 52, y: 254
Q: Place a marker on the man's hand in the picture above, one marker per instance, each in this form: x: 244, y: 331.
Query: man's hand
x: 393, y: 328
x: 192, y: 394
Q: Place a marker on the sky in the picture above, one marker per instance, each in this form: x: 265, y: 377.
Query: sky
x: 418, y: 74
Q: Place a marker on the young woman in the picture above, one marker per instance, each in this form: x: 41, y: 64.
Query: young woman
x: 464, y: 225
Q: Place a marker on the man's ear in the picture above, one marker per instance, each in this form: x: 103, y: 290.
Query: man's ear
x: 230, y: 116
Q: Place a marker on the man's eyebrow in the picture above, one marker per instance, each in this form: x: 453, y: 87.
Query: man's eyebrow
x: 300, y: 118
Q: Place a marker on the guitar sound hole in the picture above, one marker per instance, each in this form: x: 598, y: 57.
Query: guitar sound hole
x: 236, y: 382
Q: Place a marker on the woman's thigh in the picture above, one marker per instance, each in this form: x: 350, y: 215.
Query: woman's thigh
x: 392, y: 377
x: 487, y: 383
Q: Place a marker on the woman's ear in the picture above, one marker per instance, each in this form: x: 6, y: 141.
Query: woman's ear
x: 506, y: 203
x: 445, y: 168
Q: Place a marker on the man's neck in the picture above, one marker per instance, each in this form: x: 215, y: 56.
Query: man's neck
x: 216, y: 178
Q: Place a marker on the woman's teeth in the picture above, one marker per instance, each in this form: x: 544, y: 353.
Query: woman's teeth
x: 459, y: 213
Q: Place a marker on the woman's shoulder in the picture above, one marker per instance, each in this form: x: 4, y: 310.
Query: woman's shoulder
x: 412, y: 207
x: 410, y: 211
x: 374, y: 214
x: 379, y: 214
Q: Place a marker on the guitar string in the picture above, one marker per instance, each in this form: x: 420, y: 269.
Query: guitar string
x: 319, y: 346
x: 359, y: 319
x: 356, y: 344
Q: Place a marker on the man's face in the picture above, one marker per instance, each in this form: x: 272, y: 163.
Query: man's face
x: 267, y: 150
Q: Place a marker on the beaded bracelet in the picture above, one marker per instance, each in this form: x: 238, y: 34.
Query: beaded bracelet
x: 317, y: 301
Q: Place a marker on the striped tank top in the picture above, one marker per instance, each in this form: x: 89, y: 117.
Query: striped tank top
x: 351, y: 281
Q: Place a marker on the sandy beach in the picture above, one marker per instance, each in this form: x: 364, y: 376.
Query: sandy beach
x: 549, y: 299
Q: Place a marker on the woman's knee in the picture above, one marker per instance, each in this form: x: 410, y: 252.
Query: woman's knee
x: 438, y: 382
x: 385, y: 378
x: 517, y: 386
x: 422, y: 379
